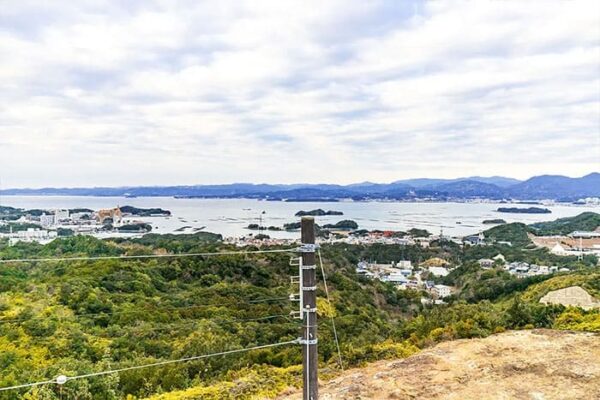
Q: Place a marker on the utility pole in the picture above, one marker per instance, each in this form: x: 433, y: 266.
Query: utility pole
x: 308, y: 282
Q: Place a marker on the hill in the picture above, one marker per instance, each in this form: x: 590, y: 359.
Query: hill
x: 536, y: 364
x: 515, y: 233
x: 84, y: 316
x: 587, y: 221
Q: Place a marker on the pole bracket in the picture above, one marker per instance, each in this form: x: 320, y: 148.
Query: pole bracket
x: 308, y: 248
x: 309, y: 310
x: 308, y: 288
x: 308, y: 341
x: 309, y: 267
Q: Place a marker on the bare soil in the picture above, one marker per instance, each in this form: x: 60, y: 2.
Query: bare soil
x: 534, y: 365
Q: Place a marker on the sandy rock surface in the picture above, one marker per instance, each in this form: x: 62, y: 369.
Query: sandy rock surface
x: 533, y: 365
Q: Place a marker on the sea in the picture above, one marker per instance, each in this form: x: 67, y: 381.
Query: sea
x: 230, y: 217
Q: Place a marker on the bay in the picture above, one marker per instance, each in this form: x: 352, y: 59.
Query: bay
x: 230, y: 217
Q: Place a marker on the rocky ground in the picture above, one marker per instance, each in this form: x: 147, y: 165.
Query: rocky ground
x: 532, y: 365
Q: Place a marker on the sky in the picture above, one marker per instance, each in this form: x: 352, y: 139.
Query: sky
x: 114, y: 93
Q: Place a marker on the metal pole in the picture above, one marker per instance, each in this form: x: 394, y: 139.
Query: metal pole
x: 309, y: 291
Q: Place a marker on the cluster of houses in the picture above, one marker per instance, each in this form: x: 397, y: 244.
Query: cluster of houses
x: 29, y: 235
x: 519, y: 268
x: 405, y: 276
x: 81, y: 221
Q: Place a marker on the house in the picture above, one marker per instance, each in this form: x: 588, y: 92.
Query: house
x: 474, y: 240
x: 442, y: 291
x: 486, y: 263
x: 396, y: 278
x: 439, y: 271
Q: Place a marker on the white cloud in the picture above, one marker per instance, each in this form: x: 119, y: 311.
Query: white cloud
x: 288, y: 91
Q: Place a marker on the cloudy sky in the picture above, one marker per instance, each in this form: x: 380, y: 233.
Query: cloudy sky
x: 186, y: 92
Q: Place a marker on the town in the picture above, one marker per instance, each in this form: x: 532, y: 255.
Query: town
x: 43, y: 226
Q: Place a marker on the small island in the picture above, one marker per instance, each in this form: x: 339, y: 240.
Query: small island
x: 346, y: 224
x: 256, y: 227
x: 140, y: 227
x: 145, y: 212
x: 496, y: 221
x: 318, y: 213
x: 529, y: 210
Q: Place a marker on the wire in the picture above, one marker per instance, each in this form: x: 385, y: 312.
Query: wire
x: 267, y: 300
x: 156, y: 364
x: 143, y: 256
x: 335, y: 335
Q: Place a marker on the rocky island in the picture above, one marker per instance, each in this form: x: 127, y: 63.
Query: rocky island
x: 528, y: 210
x: 318, y: 213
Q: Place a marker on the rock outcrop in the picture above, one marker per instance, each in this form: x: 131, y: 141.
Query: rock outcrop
x: 531, y: 365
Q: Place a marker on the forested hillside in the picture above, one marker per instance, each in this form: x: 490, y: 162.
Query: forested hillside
x: 85, y: 316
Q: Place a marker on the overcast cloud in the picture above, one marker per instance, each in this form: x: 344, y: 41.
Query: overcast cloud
x: 186, y: 92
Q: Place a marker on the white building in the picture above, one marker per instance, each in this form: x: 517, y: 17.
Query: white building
x: 439, y: 271
x: 486, y: 263
x: 395, y: 278
x: 32, y: 235
x: 442, y: 291
x: 61, y: 215
x: 47, y: 220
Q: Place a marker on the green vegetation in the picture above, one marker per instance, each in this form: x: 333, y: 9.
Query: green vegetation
x: 144, y: 212
x: 587, y: 221
x: 415, y: 232
x: 86, y: 316
x: 515, y: 233
x: 528, y: 210
x: 139, y: 227
x: 495, y: 221
x: 80, y: 317
x: 65, y: 232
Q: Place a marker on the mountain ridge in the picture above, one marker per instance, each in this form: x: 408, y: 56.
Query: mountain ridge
x: 552, y: 187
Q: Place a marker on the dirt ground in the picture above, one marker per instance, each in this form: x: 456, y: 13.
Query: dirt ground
x: 532, y: 365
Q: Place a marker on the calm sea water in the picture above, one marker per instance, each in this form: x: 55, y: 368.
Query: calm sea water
x: 229, y: 217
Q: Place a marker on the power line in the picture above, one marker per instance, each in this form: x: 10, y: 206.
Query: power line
x: 63, y: 379
x: 143, y: 256
x: 335, y: 335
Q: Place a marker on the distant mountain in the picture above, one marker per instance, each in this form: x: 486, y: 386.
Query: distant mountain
x: 427, y: 182
x: 496, y: 187
x: 422, y: 182
x: 470, y: 188
x: 500, y: 181
x: 557, y: 187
